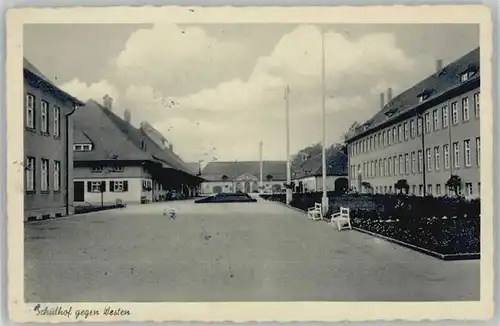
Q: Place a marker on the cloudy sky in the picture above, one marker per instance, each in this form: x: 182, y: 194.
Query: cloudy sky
x: 222, y: 86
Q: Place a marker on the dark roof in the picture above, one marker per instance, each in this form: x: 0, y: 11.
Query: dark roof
x: 194, y: 167
x: 31, y: 69
x: 109, y: 141
x: 161, y: 151
x: 314, y: 167
x: 434, y: 86
x: 215, y: 170
x: 79, y: 137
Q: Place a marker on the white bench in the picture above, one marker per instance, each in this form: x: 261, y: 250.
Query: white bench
x: 342, y: 219
x: 315, y: 213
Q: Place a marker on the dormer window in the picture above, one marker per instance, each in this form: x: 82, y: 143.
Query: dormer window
x: 464, y: 76
x: 143, y: 145
x: 82, y: 147
x: 424, y: 95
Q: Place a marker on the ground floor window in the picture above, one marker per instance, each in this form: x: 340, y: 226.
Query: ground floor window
x: 438, y: 190
x: 118, y: 186
x: 29, y: 170
x: 96, y: 186
x: 468, y: 189
x: 44, y: 181
x: 429, y: 189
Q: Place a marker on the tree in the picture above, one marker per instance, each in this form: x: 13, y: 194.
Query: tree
x: 224, y: 177
x: 401, y: 185
x: 367, y: 186
x: 269, y: 177
x: 454, y: 183
x: 351, y: 130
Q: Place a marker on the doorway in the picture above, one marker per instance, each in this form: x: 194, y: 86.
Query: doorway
x: 79, y: 190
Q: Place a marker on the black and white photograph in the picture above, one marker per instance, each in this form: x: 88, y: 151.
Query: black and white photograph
x: 195, y: 160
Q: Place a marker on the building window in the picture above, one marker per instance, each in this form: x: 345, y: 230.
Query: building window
x: 401, y: 165
x: 29, y: 171
x: 467, y: 152
x: 57, y: 118
x: 44, y: 127
x: 478, y: 151
x: 96, y: 186
x: 405, y: 130
x: 118, y: 186
x: 419, y: 126
x: 385, y: 167
x: 437, y: 158
x: 438, y: 190
x: 381, y: 168
x: 427, y: 122
x: 117, y: 168
x: 412, y: 128
x: 445, y: 116
x: 30, y: 111
x: 420, y: 190
x: 446, y: 154
x: 379, y: 138
x: 454, y: 113
x: 479, y: 189
x: 383, y: 139
x: 82, y: 147
x: 389, y: 172
x: 435, y: 119
x: 44, y: 181
x: 394, y: 137
x: 407, y: 163
x: 420, y: 161
x: 413, y: 162
x: 429, y: 159
x: 465, y: 109
x: 456, y: 155
x: 396, y: 165
x: 400, y: 133
x: 413, y: 189
x: 97, y: 169
x: 57, y: 175
x: 429, y: 189
x: 468, y: 189
x: 476, y: 105
x: 464, y: 77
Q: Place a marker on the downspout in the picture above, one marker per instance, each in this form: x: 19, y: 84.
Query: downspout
x: 67, y: 152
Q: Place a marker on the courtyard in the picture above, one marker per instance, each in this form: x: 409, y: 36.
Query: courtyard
x: 261, y: 251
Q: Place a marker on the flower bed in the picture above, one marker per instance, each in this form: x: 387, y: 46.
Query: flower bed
x: 444, y: 225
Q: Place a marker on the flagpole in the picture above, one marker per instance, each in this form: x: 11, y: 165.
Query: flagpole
x: 261, y: 184
x: 323, y: 106
x: 288, y: 165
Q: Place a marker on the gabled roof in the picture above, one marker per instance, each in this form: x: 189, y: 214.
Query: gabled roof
x: 165, y: 152
x: 79, y: 137
x: 109, y: 141
x: 194, y: 167
x: 32, y: 72
x: 313, y: 166
x: 433, y: 86
x: 215, y: 170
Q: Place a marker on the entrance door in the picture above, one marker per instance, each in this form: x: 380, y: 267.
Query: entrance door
x: 79, y: 191
x: 247, y: 187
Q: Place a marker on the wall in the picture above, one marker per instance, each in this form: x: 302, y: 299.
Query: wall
x: 49, y: 147
x: 316, y: 183
x: 132, y: 196
x: 229, y: 186
x: 453, y: 133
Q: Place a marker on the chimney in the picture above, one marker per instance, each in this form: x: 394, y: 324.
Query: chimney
x: 126, y: 115
x: 382, y: 103
x: 439, y: 65
x: 108, y: 102
x: 389, y: 94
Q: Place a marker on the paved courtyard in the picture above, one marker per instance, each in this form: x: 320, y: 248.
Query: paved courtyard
x: 260, y: 251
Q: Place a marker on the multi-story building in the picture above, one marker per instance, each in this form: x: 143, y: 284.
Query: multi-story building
x: 113, y: 161
x: 48, y: 133
x: 424, y: 135
x: 243, y: 176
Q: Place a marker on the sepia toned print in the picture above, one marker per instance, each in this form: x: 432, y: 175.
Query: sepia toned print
x: 190, y: 169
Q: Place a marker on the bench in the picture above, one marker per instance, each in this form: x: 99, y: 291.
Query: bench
x: 342, y: 219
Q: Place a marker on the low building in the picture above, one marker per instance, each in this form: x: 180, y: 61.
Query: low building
x: 244, y: 177
x: 48, y: 134
x: 308, y: 175
x: 423, y: 136
x: 113, y: 161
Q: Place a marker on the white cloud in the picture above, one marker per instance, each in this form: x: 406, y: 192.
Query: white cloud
x: 235, y: 114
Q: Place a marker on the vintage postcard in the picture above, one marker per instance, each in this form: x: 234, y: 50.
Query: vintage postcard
x: 250, y: 164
